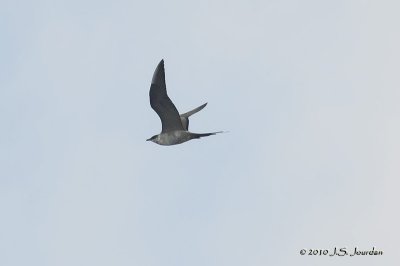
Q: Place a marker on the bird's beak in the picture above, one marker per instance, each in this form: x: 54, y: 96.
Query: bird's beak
x: 147, y: 139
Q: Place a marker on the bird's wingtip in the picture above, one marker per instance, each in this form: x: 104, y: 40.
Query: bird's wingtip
x: 161, y: 64
x: 158, y: 76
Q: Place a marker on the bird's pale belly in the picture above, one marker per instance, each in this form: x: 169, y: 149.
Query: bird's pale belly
x: 173, y: 137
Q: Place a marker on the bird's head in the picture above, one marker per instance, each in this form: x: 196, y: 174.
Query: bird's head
x: 153, y: 138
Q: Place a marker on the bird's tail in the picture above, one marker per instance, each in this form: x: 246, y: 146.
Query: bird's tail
x: 195, y: 110
x: 200, y: 135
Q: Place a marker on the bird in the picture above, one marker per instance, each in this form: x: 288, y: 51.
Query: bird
x: 175, y: 126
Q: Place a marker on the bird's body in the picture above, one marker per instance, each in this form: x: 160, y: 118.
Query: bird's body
x: 175, y: 127
x: 173, y: 137
x: 178, y: 137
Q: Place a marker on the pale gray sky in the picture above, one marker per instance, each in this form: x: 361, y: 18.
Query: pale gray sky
x: 309, y: 91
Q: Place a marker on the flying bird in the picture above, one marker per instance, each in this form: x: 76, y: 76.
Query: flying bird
x: 175, y: 126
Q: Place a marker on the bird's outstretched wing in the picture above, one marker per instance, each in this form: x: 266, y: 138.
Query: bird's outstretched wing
x: 185, y: 116
x: 161, y: 103
x: 195, y: 110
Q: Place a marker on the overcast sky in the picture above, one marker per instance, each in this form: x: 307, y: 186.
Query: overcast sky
x: 308, y: 90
